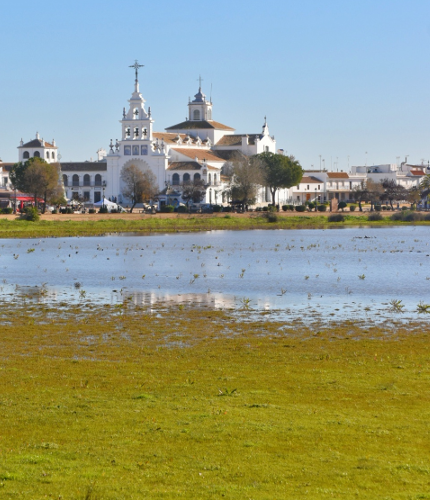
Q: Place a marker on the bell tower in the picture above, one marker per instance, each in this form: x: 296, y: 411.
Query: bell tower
x: 136, y: 122
x: 200, y: 109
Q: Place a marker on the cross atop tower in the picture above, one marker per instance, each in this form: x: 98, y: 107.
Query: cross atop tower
x: 200, y: 79
x: 136, y: 66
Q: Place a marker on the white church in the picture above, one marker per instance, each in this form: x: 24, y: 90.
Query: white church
x: 194, y: 149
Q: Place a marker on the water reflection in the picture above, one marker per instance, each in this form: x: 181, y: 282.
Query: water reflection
x: 337, y: 274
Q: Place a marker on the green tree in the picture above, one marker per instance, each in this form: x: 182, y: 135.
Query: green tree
x: 360, y: 194
x: 37, y: 177
x: 138, y: 186
x: 246, y: 175
x: 374, y: 192
x: 414, y: 195
x: 279, y: 172
x: 393, y: 191
x: 193, y: 191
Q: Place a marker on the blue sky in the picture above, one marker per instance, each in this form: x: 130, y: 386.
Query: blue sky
x: 335, y: 78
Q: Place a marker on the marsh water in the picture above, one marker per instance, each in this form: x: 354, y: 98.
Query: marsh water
x: 336, y: 273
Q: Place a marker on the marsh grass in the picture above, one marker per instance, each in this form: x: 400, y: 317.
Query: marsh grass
x: 98, y: 403
x: 60, y: 228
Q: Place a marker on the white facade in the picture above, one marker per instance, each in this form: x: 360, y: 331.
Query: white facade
x: 37, y: 148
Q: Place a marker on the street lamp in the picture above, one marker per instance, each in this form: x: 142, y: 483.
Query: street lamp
x: 103, y: 202
x: 316, y: 200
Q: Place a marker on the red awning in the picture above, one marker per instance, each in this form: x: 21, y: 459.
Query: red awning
x: 26, y: 198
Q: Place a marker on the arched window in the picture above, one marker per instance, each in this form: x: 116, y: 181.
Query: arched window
x: 209, y: 114
x: 65, y: 180
x: 36, y: 154
x: 215, y: 179
x: 186, y: 177
x: 175, y: 179
x: 144, y: 133
x: 196, y: 114
x: 136, y: 132
x: 86, y: 180
x: 75, y: 180
x: 209, y: 179
x: 26, y: 155
x: 53, y: 155
x: 197, y: 177
x: 47, y: 155
x: 98, y: 180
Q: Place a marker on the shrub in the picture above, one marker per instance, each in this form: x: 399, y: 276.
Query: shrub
x: 271, y: 208
x: 167, y: 209
x: 322, y: 208
x: 7, y: 210
x: 291, y: 207
x: 92, y: 211
x: 54, y: 211
x: 352, y: 208
x: 342, y: 205
x: 427, y: 217
x: 31, y: 214
x: 114, y: 211
x: 265, y: 209
x: 377, y: 208
x: 300, y: 208
x: 182, y: 209
x: 374, y: 216
x: 336, y: 218
x: 217, y: 208
x: 70, y: 210
x: 103, y: 210
x: 397, y: 216
x: 228, y: 209
x: 412, y: 216
x: 404, y: 208
x: 311, y: 205
x: 272, y: 217
x: 284, y: 208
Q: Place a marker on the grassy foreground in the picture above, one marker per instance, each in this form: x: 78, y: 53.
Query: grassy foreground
x: 93, y: 225
x: 118, y: 402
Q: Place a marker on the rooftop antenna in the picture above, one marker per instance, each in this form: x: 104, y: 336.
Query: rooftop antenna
x: 210, y: 97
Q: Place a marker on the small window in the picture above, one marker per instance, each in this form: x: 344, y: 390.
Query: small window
x: 209, y: 179
x: 186, y: 177
x: 65, y: 180
x: 319, y: 186
x: 215, y: 179
x: 136, y: 132
x: 127, y: 132
x: 307, y: 187
x: 144, y: 133
x: 47, y: 155
x: 144, y: 150
x: 86, y: 180
x: 75, y: 180
x: 196, y: 114
x: 267, y: 149
x: 175, y: 179
x: 98, y: 180
x: 86, y: 196
x: 53, y: 155
x: 197, y: 177
x: 26, y: 155
x: 135, y: 150
x: 127, y: 150
x: 36, y: 154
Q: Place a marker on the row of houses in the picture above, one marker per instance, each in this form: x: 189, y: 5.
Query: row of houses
x: 196, y: 149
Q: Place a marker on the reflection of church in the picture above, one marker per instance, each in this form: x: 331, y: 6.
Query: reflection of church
x: 197, y: 148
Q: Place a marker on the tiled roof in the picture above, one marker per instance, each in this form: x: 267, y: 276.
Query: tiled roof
x: 199, y: 124
x: 200, y: 154
x: 184, y: 165
x: 417, y: 172
x: 37, y: 143
x: 229, y: 154
x: 84, y: 166
x: 168, y: 137
x: 7, y: 167
x: 310, y: 180
x: 337, y: 175
x: 236, y: 139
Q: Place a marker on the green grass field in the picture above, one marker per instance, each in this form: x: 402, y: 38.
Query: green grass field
x: 121, y: 402
x: 16, y: 228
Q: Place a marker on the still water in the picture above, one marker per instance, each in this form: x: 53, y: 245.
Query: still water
x: 338, y: 273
